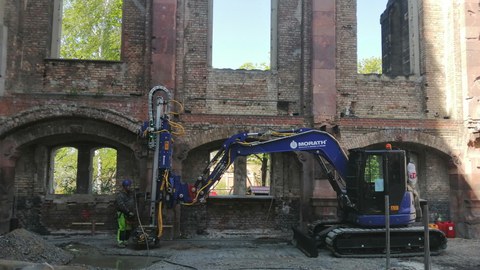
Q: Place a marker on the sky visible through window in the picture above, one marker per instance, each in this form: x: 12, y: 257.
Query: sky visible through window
x: 241, y: 33
x: 369, y: 33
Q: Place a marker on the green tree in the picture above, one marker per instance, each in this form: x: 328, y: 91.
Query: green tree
x: 91, y: 29
x: 372, y: 65
x: 104, y: 171
x: 373, y: 168
x: 250, y: 66
x: 262, y: 161
x: 65, y: 170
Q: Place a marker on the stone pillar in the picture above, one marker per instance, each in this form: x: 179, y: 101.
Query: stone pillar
x: 125, y: 168
x: 277, y: 175
x: 471, y: 56
x: 323, y: 61
x: 142, y: 162
x: 3, y: 47
x: 164, y: 42
x: 240, y: 176
x: 306, y: 187
x: 41, y: 171
x: 8, y: 158
x: 83, y: 169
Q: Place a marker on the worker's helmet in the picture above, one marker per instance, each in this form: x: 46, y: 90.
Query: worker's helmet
x: 126, y: 182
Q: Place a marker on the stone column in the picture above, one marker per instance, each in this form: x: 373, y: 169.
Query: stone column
x: 240, y: 176
x: 306, y: 187
x: 83, y: 169
x: 323, y: 61
x: 3, y: 47
x: 164, y: 42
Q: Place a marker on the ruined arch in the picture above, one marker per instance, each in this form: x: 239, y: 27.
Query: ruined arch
x: 71, y: 128
x: 67, y: 130
x: 30, y: 137
x: 197, y: 155
x: 441, y: 182
x: 399, y: 135
x: 39, y: 114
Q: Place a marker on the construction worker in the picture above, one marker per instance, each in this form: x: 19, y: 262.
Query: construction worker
x: 125, y: 204
x: 412, y: 186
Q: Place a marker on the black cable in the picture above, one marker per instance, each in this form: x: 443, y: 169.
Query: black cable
x: 183, y: 265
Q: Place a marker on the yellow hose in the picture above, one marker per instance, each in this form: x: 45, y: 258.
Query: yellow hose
x: 160, y: 210
x: 160, y: 220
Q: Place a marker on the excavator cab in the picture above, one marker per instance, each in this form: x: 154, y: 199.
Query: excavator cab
x: 372, y: 174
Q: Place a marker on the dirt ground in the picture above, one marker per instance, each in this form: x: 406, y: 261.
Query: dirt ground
x: 21, y: 249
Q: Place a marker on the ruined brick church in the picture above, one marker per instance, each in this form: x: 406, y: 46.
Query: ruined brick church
x: 424, y: 102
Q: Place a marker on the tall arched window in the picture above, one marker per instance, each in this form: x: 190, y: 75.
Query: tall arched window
x: 83, y: 168
x: 104, y: 170
x: 252, y: 179
x: 64, y: 170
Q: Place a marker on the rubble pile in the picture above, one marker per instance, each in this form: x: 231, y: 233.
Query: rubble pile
x: 22, y: 245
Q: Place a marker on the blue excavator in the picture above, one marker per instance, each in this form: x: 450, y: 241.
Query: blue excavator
x: 360, y: 179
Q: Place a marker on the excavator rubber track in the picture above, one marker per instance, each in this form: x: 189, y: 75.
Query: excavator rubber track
x: 364, y: 242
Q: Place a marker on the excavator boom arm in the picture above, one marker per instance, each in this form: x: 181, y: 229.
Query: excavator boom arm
x: 319, y: 143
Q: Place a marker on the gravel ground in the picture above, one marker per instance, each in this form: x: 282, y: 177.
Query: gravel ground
x: 22, y: 245
x: 220, y: 250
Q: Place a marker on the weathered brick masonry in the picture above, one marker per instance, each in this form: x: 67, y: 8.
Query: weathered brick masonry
x: 47, y: 102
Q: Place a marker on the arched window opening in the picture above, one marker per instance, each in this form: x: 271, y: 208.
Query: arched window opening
x: 65, y: 165
x: 258, y: 174
x: 83, y: 168
x: 104, y: 170
x: 253, y: 178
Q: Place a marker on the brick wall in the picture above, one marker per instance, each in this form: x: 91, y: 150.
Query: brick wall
x: 441, y: 61
x: 346, y: 28
x: 206, y: 90
x: 86, y: 77
x: 29, y: 53
x: 52, y: 100
x: 61, y: 212
x: 435, y: 185
x: 242, y: 92
x: 290, y: 53
x: 376, y: 96
x: 240, y: 214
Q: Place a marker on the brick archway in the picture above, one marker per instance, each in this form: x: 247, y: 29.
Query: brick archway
x: 68, y: 129
x: 31, y: 135
x: 38, y: 114
x: 460, y: 203
x: 399, y: 135
x: 391, y: 135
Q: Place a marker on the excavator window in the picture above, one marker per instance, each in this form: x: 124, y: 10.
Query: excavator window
x: 374, y: 173
x: 373, y: 183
